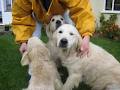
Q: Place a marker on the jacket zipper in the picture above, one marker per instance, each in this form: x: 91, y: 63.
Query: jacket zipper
x: 44, y: 10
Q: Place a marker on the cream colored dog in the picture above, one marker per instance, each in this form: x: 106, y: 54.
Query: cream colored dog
x: 55, y: 22
x: 100, y: 70
x: 44, y: 75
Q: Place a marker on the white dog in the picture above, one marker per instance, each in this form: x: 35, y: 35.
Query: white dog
x: 44, y: 75
x: 55, y: 22
x: 100, y: 70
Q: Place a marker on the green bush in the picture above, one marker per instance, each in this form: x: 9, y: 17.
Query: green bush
x: 108, y: 28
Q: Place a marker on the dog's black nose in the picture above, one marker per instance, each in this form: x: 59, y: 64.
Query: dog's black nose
x: 58, y: 22
x: 63, y: 42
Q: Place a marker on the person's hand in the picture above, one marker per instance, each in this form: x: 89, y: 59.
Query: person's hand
x: 23, y: 48
x: 84, y: 49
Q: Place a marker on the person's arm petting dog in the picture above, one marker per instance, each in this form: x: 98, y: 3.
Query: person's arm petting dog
x: 84, y: 50
x: 23, y: 23
x: 23, y: 47
x: 26, y: 32
x: 36, y: 33
x: 81, y: 14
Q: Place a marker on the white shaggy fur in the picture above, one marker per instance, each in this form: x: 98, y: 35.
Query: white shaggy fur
x: 44, y: 75
x: 100, y: 70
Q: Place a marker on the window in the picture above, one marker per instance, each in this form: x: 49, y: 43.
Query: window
x: 7, y: 5
x: 0, y: 17
x: 112, y: 5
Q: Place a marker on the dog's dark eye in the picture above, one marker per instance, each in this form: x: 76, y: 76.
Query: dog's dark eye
x: 53, y: 20
x: 62, y: 19
x: 71, y: 34
x: 60, y: 32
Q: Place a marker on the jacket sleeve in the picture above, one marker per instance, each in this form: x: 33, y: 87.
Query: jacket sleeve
x: 81, y: 14
x: 23, y: 23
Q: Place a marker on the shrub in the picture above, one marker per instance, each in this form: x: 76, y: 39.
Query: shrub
x: 108, y: 28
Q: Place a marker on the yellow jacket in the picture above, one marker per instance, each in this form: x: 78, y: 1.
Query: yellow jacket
x: 23, y: 24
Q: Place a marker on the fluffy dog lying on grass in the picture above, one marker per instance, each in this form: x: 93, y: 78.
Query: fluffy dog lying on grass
x: 44, y: 75
x: 100, y: 69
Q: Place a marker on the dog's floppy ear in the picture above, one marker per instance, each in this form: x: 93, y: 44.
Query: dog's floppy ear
x: 48, y: 32
x: 25, y: 59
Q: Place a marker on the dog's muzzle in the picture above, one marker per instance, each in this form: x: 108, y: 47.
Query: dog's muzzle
x: 63, y: 43
x: 58, y: 24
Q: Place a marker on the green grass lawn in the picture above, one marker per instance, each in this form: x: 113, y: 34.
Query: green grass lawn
x: 14, y: 77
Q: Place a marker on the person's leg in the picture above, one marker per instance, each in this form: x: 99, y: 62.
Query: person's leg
x: 67, y: 18
x: 37, y: 32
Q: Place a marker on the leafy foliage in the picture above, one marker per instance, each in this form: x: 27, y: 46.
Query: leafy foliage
x: 108, y: 28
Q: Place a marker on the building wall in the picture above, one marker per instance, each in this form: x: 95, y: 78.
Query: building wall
x: 98, y: 8
x: 0, y: 6
x: 6, y: 16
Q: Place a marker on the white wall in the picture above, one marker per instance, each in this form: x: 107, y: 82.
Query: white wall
x: 6, y: 16
x: 98, y: 8
x: 0, y: 6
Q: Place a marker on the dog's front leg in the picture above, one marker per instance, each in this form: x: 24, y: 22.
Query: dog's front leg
x: 72, y: 81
